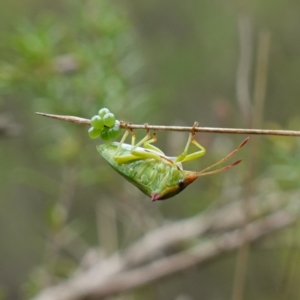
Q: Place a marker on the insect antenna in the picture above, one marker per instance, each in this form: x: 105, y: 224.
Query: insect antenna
x: 204, y: 171
x: 199, y: 174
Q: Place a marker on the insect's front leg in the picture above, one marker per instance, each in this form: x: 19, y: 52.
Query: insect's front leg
x: 125, y: 158
x: 122, y: 142
x: 184, y: 156
x: 135, y: 152
x: 148, y: 145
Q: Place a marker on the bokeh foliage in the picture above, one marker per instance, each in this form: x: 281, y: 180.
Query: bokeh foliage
x: 59, y: 199
x: 71, y: 63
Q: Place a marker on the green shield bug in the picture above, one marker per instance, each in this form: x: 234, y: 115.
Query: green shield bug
x: 158, y: 176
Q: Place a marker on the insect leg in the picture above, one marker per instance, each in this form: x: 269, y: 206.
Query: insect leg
x: 122, y: 141
x: 184, y: 156
x: 142, y: 141
x: 144, y: 154
x: 225, y: 158
x: 135, y: 154
x: 196, y: 154
x: 148, y: 145
x: 129, y: 157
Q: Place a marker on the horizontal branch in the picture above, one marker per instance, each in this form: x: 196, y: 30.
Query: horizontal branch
x: 123, y: 124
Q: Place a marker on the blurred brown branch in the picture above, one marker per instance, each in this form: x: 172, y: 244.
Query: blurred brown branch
x: 166, y: 250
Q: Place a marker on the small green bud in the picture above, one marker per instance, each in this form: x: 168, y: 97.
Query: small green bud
x: 104, y: 135
x: 94, y: 133
x: 114, y: 132
x: 109, y: 120
x: 97, y: 122
x: 103, y: 111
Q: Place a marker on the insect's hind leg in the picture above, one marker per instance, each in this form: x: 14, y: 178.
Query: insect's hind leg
x: 186, y: 157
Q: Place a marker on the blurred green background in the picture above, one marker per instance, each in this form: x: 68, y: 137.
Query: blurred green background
x: 162, y: 62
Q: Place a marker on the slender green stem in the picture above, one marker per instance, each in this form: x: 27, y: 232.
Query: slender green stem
x: 123, y: 124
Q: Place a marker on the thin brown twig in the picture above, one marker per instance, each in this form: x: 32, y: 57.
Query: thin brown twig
x: 123, y: 124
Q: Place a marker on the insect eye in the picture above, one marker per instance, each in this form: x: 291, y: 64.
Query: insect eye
x: 181, y: 183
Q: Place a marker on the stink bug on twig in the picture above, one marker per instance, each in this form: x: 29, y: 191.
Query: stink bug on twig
x: 157, y: 175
